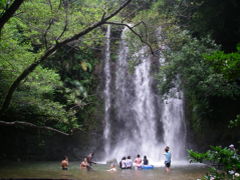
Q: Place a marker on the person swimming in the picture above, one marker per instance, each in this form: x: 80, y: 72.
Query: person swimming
x: 112, y: 168
x: 85, y: 165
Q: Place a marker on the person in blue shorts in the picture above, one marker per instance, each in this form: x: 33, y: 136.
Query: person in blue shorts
x: 168, y: 157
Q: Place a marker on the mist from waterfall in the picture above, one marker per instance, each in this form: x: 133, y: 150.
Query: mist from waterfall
x: 136, y: 111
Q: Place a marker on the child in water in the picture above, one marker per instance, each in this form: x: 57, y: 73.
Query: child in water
x: 112, y: 168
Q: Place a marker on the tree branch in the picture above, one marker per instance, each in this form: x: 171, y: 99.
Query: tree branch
x: 129, y: 15
x: 9, y: 12
x: 22, y: 123
x: 65, y: 26
x: 46, y: 31
x: 50, y: 4
x: 95, y: 25
x: 103, y: 15
x: 134, y: 32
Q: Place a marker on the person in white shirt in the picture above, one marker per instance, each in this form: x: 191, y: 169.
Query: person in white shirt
x: 129, y: 162
x: 123, y: 163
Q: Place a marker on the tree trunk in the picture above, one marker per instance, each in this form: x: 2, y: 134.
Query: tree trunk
x: 9, y: 12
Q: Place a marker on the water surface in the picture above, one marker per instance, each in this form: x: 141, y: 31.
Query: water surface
x: 53, y: 170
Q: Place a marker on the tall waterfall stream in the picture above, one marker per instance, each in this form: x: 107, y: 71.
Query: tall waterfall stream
x: 137, y: 120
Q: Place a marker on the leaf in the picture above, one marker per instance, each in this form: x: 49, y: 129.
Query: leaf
x: 84, y: 66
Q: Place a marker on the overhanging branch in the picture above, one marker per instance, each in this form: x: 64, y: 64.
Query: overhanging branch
x: 22, y: 123
x: 134, y: 32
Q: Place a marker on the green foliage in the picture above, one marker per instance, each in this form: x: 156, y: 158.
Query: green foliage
x: 56, y: 94
x: 43, y: 22
x: 4, y: 4
x: 225, y: 163
x: 235, y: 122
x: 185, y: 59
x: 76, y: 68
x: 226, y: 64
x: 190, y: 62
x: 34, y: 100
x: 218, y: 18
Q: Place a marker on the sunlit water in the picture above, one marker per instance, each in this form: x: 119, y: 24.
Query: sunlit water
x: 53, y: 170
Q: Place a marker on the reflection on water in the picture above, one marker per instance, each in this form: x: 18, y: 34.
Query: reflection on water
x: 53, y: 170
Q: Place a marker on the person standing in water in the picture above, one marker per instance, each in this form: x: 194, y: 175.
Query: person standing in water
x: 89, y: 159
x: 85, y: 165
x: 168, y: 157
x: 64, y: 163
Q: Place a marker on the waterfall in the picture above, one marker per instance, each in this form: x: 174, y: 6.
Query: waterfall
x: 172, y: 114
x: 133, y: 127
x: 144, y: 107
x: 173, y: 123
x: 107, y: 93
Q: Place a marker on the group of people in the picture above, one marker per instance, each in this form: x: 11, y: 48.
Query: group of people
x: 85, y: 164
x: 125, y: 163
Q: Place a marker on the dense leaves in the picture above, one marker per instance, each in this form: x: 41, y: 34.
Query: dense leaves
x: 224, y: 162
x: 50, y: 96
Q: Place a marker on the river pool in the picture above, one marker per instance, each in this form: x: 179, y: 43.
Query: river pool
x: 52, y: 170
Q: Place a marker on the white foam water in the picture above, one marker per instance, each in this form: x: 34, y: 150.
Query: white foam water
x: 134, y: 126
